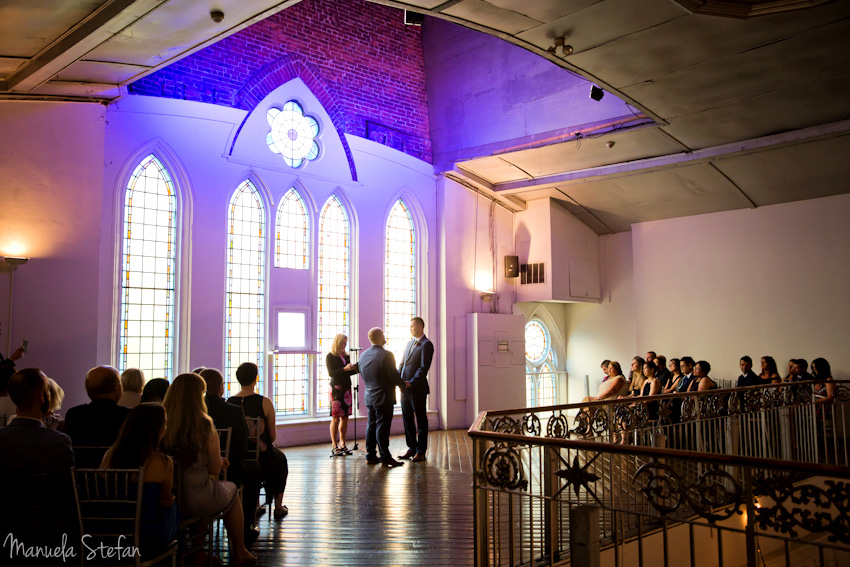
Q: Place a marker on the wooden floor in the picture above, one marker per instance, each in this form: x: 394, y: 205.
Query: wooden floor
x: 347, y: 513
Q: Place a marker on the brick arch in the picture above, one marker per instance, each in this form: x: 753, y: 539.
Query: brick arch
x: 281, y: 71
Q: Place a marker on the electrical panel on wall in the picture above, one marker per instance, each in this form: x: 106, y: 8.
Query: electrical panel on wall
x: 532, y: 273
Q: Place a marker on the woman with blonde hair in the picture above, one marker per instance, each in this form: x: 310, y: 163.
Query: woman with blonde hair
x: 55, y: 395
x: 192, y: 437
x: 340, y: 370
x: 636, y: 376
x: 133, y: 380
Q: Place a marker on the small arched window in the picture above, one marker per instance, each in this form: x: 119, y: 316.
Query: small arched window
x: 245, y: 291
x: 540, y: 365
x: 149, y: 257
x: 399, y: 278
x: 292, y: 230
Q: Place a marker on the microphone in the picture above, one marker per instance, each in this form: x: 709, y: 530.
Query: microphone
x: 355, y: 349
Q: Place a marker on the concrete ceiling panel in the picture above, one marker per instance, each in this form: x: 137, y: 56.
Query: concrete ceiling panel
x: 806, y: 171
x: 820, y: 102
x: 807, y: 57
x: 31, y: 25
x: 100, y: 72
x: 8, y: 65
x: 603, y: 22
x: 681, y: 43
x: 493, y: 169
x: 685, y: 191
x: 543, y: 10
x: 65, y: 88
x: 491, y: 16
x: 592, y: 152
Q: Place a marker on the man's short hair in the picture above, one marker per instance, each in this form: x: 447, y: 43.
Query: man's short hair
x: 746, y: 358
x: 26, y: 388
x: 802, y: 363
x: 605, y: 363
x: 419, y: 320
x: 213, y: 378
x: 374, y: 333
x: 101, y: 381
x: 247, y: 373
x: 654, y: 354
x: 687, y: 360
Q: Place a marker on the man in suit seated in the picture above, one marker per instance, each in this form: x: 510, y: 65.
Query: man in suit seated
x: 380, y: 376
x: 748, y: 377
x: 27, y: 446
x: 414, y: 396
x: 242, y: 470
x: 96, y: 424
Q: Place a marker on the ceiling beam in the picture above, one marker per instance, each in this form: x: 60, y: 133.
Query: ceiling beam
x: 681, y: 159
x: 76, y: 42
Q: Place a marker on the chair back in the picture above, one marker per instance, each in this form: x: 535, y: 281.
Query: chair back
x: 109, y: 506
x: 224, y: 442
x: 256, y: 427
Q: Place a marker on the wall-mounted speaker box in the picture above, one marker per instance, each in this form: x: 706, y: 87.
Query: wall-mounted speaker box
x: 511, y: 266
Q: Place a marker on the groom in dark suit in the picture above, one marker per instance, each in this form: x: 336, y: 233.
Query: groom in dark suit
x: 414, y: 396
x: 377, y: 368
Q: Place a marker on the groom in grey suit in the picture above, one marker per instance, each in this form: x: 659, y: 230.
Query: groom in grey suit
x: 377, y: 368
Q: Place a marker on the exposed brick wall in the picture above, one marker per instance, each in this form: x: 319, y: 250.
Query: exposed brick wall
x: 358, y: 58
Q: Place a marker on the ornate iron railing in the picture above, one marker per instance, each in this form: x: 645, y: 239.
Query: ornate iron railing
x: 751, y: 472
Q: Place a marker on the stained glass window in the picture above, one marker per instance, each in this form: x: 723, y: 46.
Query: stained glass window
x: 245, y: 300
x: 334, y: 279
x: 292, y: 233
x: 149, y: 246
x: 540, y: 365
x: 291, y: 375
x: 293, y: 134
x: 399, y: 279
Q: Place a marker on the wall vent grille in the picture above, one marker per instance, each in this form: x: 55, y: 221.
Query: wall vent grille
x: 532, y: 273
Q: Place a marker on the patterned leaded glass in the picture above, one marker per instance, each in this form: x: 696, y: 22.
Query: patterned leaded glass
x: 245, y: 295
x: 399, y: 279
x: 334, y: 279
x: 291, y: 375
x: 293, y: 233
x: 149, y: 252
x: 540, y: 365
x: 293, y: 134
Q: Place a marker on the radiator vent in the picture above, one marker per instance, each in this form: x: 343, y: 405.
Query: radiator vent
x: 532, y: 273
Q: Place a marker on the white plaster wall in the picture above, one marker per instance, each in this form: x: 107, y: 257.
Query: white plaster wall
x: 51, y: 166
x: 596, y: 332
x: 767, y: 281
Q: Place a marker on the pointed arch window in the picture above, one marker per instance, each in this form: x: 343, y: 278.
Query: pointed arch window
x: 399, y: 278
x: 149, y: 256
x: 334, y: 279
x: 540, y: 365
x: 292, y: 233
x: 245, y: 291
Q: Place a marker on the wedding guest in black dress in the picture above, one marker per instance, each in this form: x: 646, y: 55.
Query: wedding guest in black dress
x: 340, y: 370
x: 272, y: 460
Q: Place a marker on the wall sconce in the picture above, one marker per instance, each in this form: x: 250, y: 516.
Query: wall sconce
x: 488, y: 296
x: 14, y: 261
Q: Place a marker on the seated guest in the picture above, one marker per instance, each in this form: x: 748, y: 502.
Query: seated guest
x: 675, y: 368
x: 242, y: 470
x: 747, y: 377
x: 7, y: 406
x: 272, y: 460
x: 55, y: 395
x: 769, y: 372
x: 701, y: 381
x: 790, y: 371
x: 193, y: 438
x: 662, y: 373
x: 155, y: 390
x: 651, y: 387
x: 636, y: 378
x: 137, y: 446
x: 604, y: 367
x: 132, y: 380
x: 687, y: 366
x: 97, y: 423
x: 27, y: 447
x: 799, y: 370
x: 824, y: 391
x: 650, y: 356
x: 614, y: 387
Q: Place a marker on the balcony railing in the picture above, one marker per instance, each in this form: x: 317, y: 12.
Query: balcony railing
x: 725, y: 477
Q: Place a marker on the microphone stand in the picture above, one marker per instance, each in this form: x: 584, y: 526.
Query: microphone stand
x: 356, y: 353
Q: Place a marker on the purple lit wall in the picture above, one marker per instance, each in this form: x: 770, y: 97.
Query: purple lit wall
x: 359, y: 59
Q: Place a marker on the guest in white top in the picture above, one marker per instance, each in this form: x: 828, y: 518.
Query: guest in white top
x: 133, y: 380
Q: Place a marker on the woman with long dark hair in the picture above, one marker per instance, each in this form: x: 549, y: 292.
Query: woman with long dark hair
x: 137, y: 446
x: 769, y: 372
